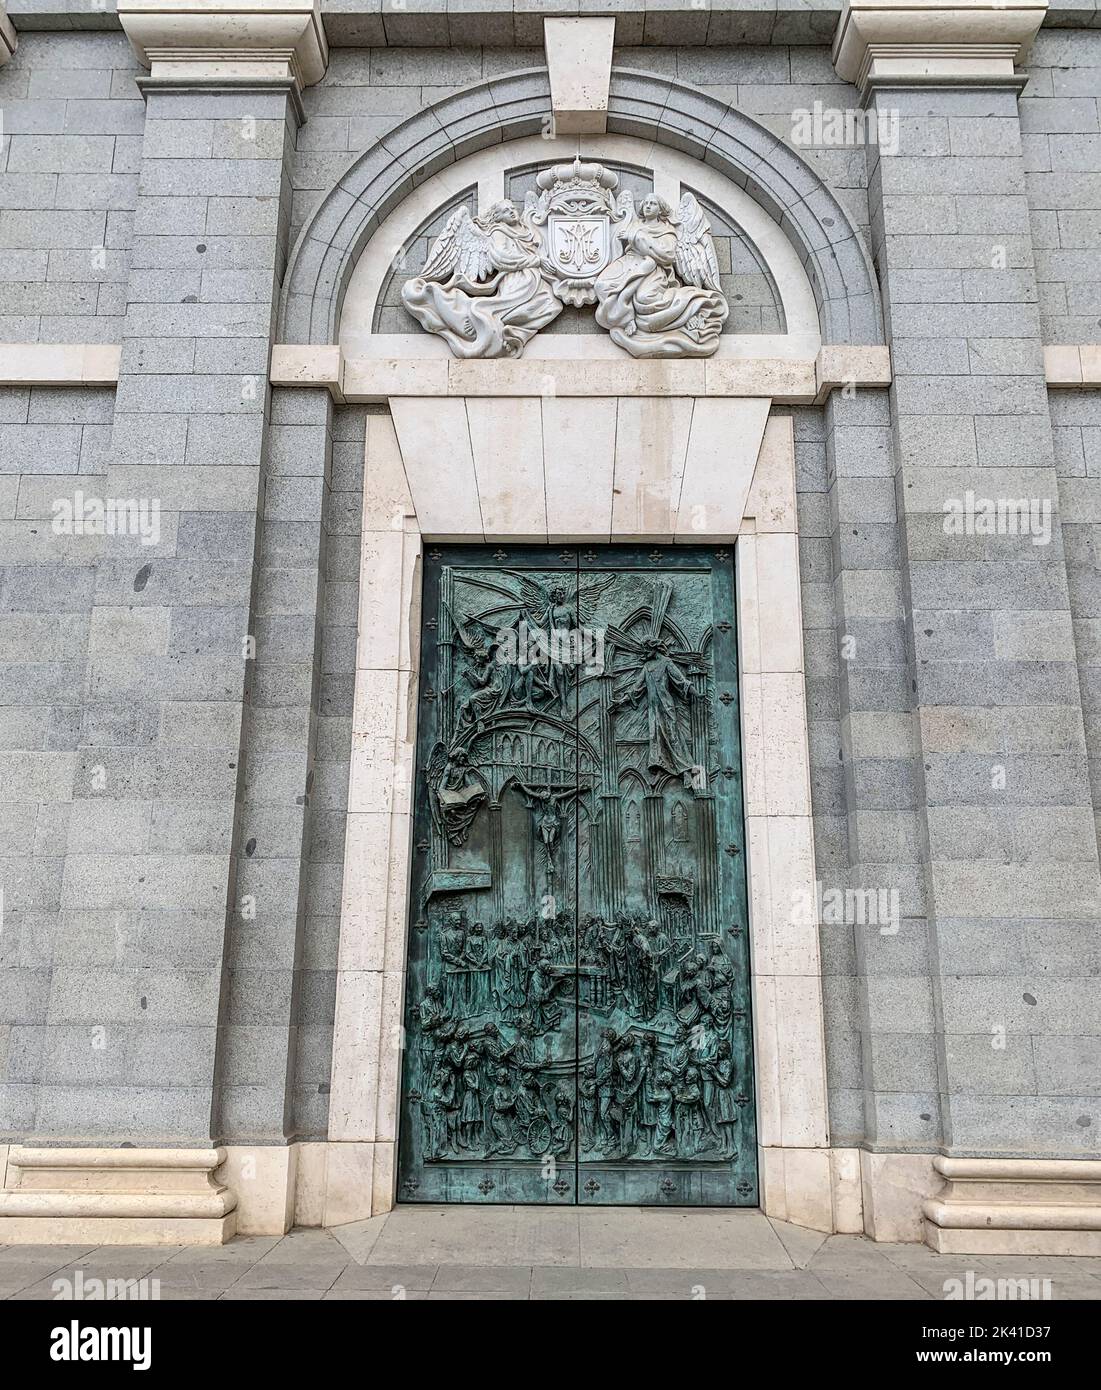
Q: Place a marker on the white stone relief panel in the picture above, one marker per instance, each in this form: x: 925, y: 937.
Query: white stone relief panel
x: 671, y: 176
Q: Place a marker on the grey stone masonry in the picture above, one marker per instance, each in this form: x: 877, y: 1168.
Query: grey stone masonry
x: 1061, y: 145
x: 265, y: 943
x: 1009, y: 848
x: 148, y: 883
x: 72, y: 134
x: 52, y: 443
x: 878, y: 998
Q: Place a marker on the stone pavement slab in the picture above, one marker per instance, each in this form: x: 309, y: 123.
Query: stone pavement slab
x: 479, y: 1235
x: 711, y: 1239
x: 593, y: 1254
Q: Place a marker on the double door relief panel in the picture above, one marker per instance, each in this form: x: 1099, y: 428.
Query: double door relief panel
x: 577, y: 1006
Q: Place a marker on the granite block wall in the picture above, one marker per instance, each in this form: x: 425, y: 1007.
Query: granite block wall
x: 73, y: 120
x: 155, y: 777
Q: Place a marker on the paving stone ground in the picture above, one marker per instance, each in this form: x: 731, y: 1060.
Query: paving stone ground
x: 529, y: 1253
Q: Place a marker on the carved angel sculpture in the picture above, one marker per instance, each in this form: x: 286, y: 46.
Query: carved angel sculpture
x: 457, y: 791
x: 562, y: 613
x: 660, y: 297
x: 481, y: 288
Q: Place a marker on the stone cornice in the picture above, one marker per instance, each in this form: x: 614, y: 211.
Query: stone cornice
x: 519, y: 23
x: 235, y: 43
x: 935, y: 43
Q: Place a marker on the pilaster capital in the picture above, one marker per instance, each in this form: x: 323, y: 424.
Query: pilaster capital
x: 935, y: 43
x: 228, y: 42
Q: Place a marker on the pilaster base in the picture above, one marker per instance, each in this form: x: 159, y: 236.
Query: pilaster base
x: 1012, y: 1206
x: 115, y: 1197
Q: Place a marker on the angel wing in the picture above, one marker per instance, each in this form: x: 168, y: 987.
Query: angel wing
x: 535, y: 207
x: 695, y: 257
x: 462, y: 248
x: 471, y: 631
x: 625, y: 206
x: 533, y: 596
x: 588, y: 592
x: 437, y: 763
x: 624, y: 217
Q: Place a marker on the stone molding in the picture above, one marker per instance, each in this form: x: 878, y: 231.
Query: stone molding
x: 1015, y: 1206
x: 794, y: 381
x: 239, y: 43
x: 8, y: 39
x: 59, y: 364
x: 137, y: 1196
x: 1075, y: 366
x: 148, y: 1196
x: 579, y: 63
x: 519, y: 23
x: 935, y: 43
x: 641, y: 104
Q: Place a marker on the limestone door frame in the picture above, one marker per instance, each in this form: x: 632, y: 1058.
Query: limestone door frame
x: 703, y: 470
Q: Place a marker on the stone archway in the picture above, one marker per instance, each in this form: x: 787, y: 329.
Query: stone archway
x: 640, y: 104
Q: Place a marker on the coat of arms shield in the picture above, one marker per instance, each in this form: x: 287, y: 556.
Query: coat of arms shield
x: 580, y: 247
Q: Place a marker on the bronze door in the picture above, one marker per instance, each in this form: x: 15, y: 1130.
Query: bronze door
x: 577, y: 1009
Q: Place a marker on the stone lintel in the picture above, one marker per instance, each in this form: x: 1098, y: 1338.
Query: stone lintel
x: 935, y: 43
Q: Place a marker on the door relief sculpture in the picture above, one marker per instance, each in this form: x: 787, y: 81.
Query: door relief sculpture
x: 577, y: 1014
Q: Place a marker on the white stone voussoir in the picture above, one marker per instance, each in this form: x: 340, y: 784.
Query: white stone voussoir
x: 579, y: 61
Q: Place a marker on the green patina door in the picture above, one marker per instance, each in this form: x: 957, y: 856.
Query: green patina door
x: 577, y: 1006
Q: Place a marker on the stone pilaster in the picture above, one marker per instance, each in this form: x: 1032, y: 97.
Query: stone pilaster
x: 1001, y: 783
x: 198, y: 697
x: 889, y: 1039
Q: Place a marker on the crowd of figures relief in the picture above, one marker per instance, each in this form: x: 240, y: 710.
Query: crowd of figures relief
x: 662, y: 1085
x: 578, y: 994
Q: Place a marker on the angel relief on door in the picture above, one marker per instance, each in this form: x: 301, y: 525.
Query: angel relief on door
x: 577, y: 1010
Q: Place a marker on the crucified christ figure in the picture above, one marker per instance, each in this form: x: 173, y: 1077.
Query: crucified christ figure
x: 546, y: 806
